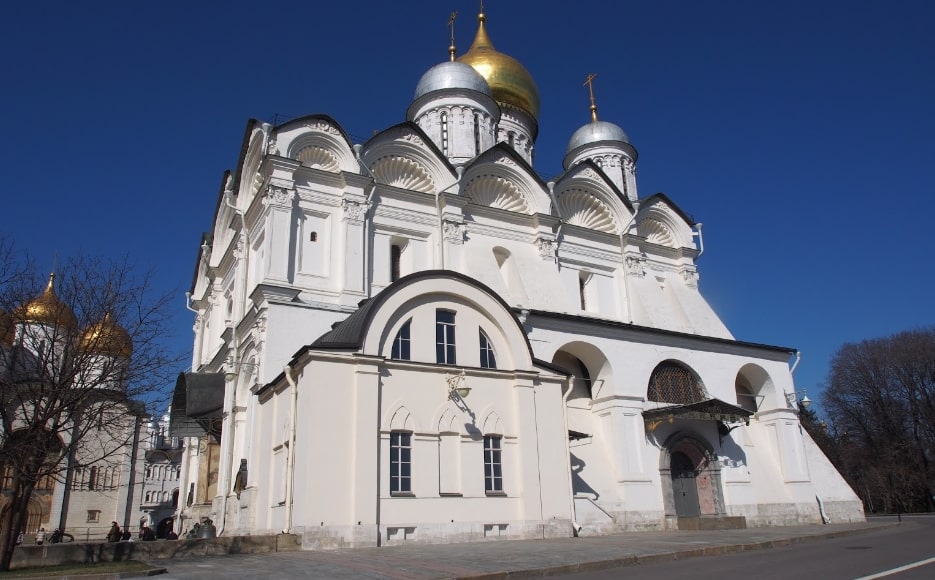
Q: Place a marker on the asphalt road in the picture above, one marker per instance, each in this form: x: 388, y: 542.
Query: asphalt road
x: 875, y: 554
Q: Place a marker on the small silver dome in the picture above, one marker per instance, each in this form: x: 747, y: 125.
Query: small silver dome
x: 596, y: 131
x: 451, y: 75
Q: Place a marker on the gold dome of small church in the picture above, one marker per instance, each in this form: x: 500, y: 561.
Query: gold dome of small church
x: 47, y: 309
x: 510, y: 82
x: 107, y: 338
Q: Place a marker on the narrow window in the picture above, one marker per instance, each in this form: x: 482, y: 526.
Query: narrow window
x: 396, y: 253
x: 476, y: 134
x: 445, y: 337
x: 487, y: 358
x: 400, y: 462
x: 92, y: 479
x: 401, y: 342
x: 582, y: 283
x: 493, y: 466
x: 444, y: 118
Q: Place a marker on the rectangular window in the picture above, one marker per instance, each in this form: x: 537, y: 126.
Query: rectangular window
x: 493, y: 466
x: 400, y: 463
x: 94, y: 516
x: 445, y: 337
x: 401, y: 342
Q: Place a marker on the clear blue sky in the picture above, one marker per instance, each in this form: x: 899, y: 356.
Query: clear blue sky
x: 801, y: 133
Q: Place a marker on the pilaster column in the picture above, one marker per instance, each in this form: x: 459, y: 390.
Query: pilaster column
x: 279, y: 232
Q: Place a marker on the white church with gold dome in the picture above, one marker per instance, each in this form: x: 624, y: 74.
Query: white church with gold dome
x: 418, y: 339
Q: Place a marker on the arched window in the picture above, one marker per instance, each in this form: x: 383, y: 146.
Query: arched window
x: 401, y: 343
x: 488, y: 359
x: 673, y: 383
x: 745, y: 397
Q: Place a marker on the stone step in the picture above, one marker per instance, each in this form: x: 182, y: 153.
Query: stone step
x: 713, y: 523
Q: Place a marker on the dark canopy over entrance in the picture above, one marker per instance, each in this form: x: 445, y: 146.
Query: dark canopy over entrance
x: 197, y: 405
x: 709, y: 410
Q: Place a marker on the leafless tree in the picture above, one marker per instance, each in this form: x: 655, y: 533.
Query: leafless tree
x: 880, y: 403
x: 83, y: 359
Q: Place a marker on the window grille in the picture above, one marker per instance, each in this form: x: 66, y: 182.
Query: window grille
x: 673, y: 383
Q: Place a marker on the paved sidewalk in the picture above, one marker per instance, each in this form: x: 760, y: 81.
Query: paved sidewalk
x: 504, y: 559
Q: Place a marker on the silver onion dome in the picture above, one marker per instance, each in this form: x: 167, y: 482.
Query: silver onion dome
x: 451, y: 75
x: 596, y: 131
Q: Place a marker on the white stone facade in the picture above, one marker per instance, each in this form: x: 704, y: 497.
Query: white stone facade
x: 321, y: 252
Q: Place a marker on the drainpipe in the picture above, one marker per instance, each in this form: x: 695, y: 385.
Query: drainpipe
x: 441, y: 224
x: 290, y: 469
x: 561, y: 222
x: 798, y: 358
x: 368, y: 218
x: 623, y: 260
x: 576, y: 527
x: 700, y: 240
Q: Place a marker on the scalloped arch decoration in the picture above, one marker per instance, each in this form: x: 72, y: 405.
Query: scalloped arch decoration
x: 656, y: 232
x: 318, y: 158
x: 585, y: 210
x: 497, y: 192
x: 403, y: 173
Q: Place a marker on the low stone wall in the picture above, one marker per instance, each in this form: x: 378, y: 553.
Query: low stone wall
x: 87, y: 553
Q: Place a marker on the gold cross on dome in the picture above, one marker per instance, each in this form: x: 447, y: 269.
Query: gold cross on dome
x: 590, y: 84
x: 451, y: 27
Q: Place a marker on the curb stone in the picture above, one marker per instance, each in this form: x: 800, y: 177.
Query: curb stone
x: 598, y: 565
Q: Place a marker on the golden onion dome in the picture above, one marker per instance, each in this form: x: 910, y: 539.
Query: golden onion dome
x: 107, y: 338
x: 510, y: 82
x: 6, y: 328
x: 47, y: 308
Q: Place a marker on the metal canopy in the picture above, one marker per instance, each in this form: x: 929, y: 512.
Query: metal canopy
x: 708, y: 410
x: 197, y: 405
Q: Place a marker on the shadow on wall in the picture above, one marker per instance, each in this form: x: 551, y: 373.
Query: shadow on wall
x: 732, y: 455
x: 578, y: 484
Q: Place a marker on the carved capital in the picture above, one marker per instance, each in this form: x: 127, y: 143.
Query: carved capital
x: 546, y: 247
x: 636, y: 266
x: 690, y: 276
x: 354, y: 211
x: 278, y: 196
x: 455, y: 232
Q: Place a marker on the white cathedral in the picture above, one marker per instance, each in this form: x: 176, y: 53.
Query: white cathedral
x: 418, y: 339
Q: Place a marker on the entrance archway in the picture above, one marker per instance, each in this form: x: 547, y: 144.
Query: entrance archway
x: 684, y: 486
x: 691, y: 478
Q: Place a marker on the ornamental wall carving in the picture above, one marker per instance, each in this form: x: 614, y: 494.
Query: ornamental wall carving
x: 690, y: 277
x: 546, y: 248
x: 354, y: 211
x: 455, y: 232
x: 278, y: 196
x: 323, y: 127
x: 636, y: 266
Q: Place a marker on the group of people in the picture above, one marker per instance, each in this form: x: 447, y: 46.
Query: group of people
x: 114, y: 535
x: 56, y: 537
x: 146, y: 534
